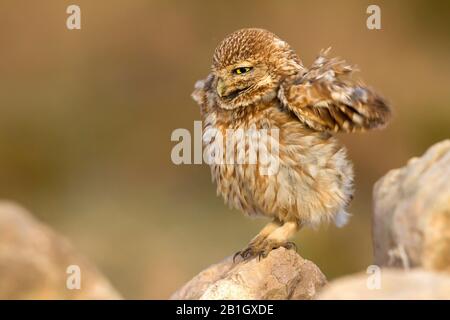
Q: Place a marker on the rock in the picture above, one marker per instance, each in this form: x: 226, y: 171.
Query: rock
x: 283, y: 274
x: 411, y: 229
x: 34, y: 260
x: 411, y: 225
x: 394, y: 284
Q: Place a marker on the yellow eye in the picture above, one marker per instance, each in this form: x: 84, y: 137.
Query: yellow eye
x: 242, y: 70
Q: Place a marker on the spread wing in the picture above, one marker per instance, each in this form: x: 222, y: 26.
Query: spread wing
x: 326, y: 99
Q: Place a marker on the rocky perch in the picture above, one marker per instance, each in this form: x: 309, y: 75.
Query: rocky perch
x: 411, y: 236
x: 283, y: 274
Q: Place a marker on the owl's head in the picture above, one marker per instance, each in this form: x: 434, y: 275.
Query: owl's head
x: 248, y: 67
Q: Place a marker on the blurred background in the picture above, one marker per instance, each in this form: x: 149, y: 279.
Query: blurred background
x: 86, y: 118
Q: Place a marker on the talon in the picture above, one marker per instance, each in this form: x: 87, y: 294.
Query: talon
x: 260, y: 256
x: 246, y: 254
x: 291, y: 245
x: 235, y: 255
x: 261, y: 249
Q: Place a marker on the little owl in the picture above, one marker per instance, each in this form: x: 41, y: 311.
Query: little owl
x: 258, y: 82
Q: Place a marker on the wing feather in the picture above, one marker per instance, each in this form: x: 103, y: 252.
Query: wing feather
x: 326, y: 99
x: 200, y: 94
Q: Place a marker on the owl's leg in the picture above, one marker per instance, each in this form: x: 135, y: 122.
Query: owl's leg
x: 280, y: 238
x: 273, y: 237
x: 258, y: 239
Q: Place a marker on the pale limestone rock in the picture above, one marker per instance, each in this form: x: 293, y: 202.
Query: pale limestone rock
x: 34, y: 261
x: 394, y: 284
x: 412, y: 213
x: 283, y: 274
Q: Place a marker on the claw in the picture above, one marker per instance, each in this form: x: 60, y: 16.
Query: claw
x: 261, y: 256
x: 290, y: 246
x: 235, y: 255
x: 262, y: 250
x: 246, y: 254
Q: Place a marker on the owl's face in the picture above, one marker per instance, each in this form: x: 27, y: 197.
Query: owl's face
x: 248, y: 67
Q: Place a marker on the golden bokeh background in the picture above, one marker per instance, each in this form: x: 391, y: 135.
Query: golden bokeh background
x: 86, y: 118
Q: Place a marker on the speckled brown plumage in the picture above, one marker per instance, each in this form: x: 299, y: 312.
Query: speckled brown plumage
x: 272, y: 89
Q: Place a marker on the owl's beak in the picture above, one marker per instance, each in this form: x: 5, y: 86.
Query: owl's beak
x: 221, y: 88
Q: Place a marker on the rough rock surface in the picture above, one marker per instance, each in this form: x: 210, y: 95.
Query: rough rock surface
x: 283, y: 274
x: 34, y: 261
x: 394, y: 284
x: 412, y: 213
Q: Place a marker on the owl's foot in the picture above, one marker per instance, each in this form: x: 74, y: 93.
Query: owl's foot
x: 271, y: 237
x: 251, y: 249
x: 262, y: 248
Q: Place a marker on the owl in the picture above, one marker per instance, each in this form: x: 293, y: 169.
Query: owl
x: 258, y: 83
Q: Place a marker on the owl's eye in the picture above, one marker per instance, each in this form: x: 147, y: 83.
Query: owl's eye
x: 242, y: 70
